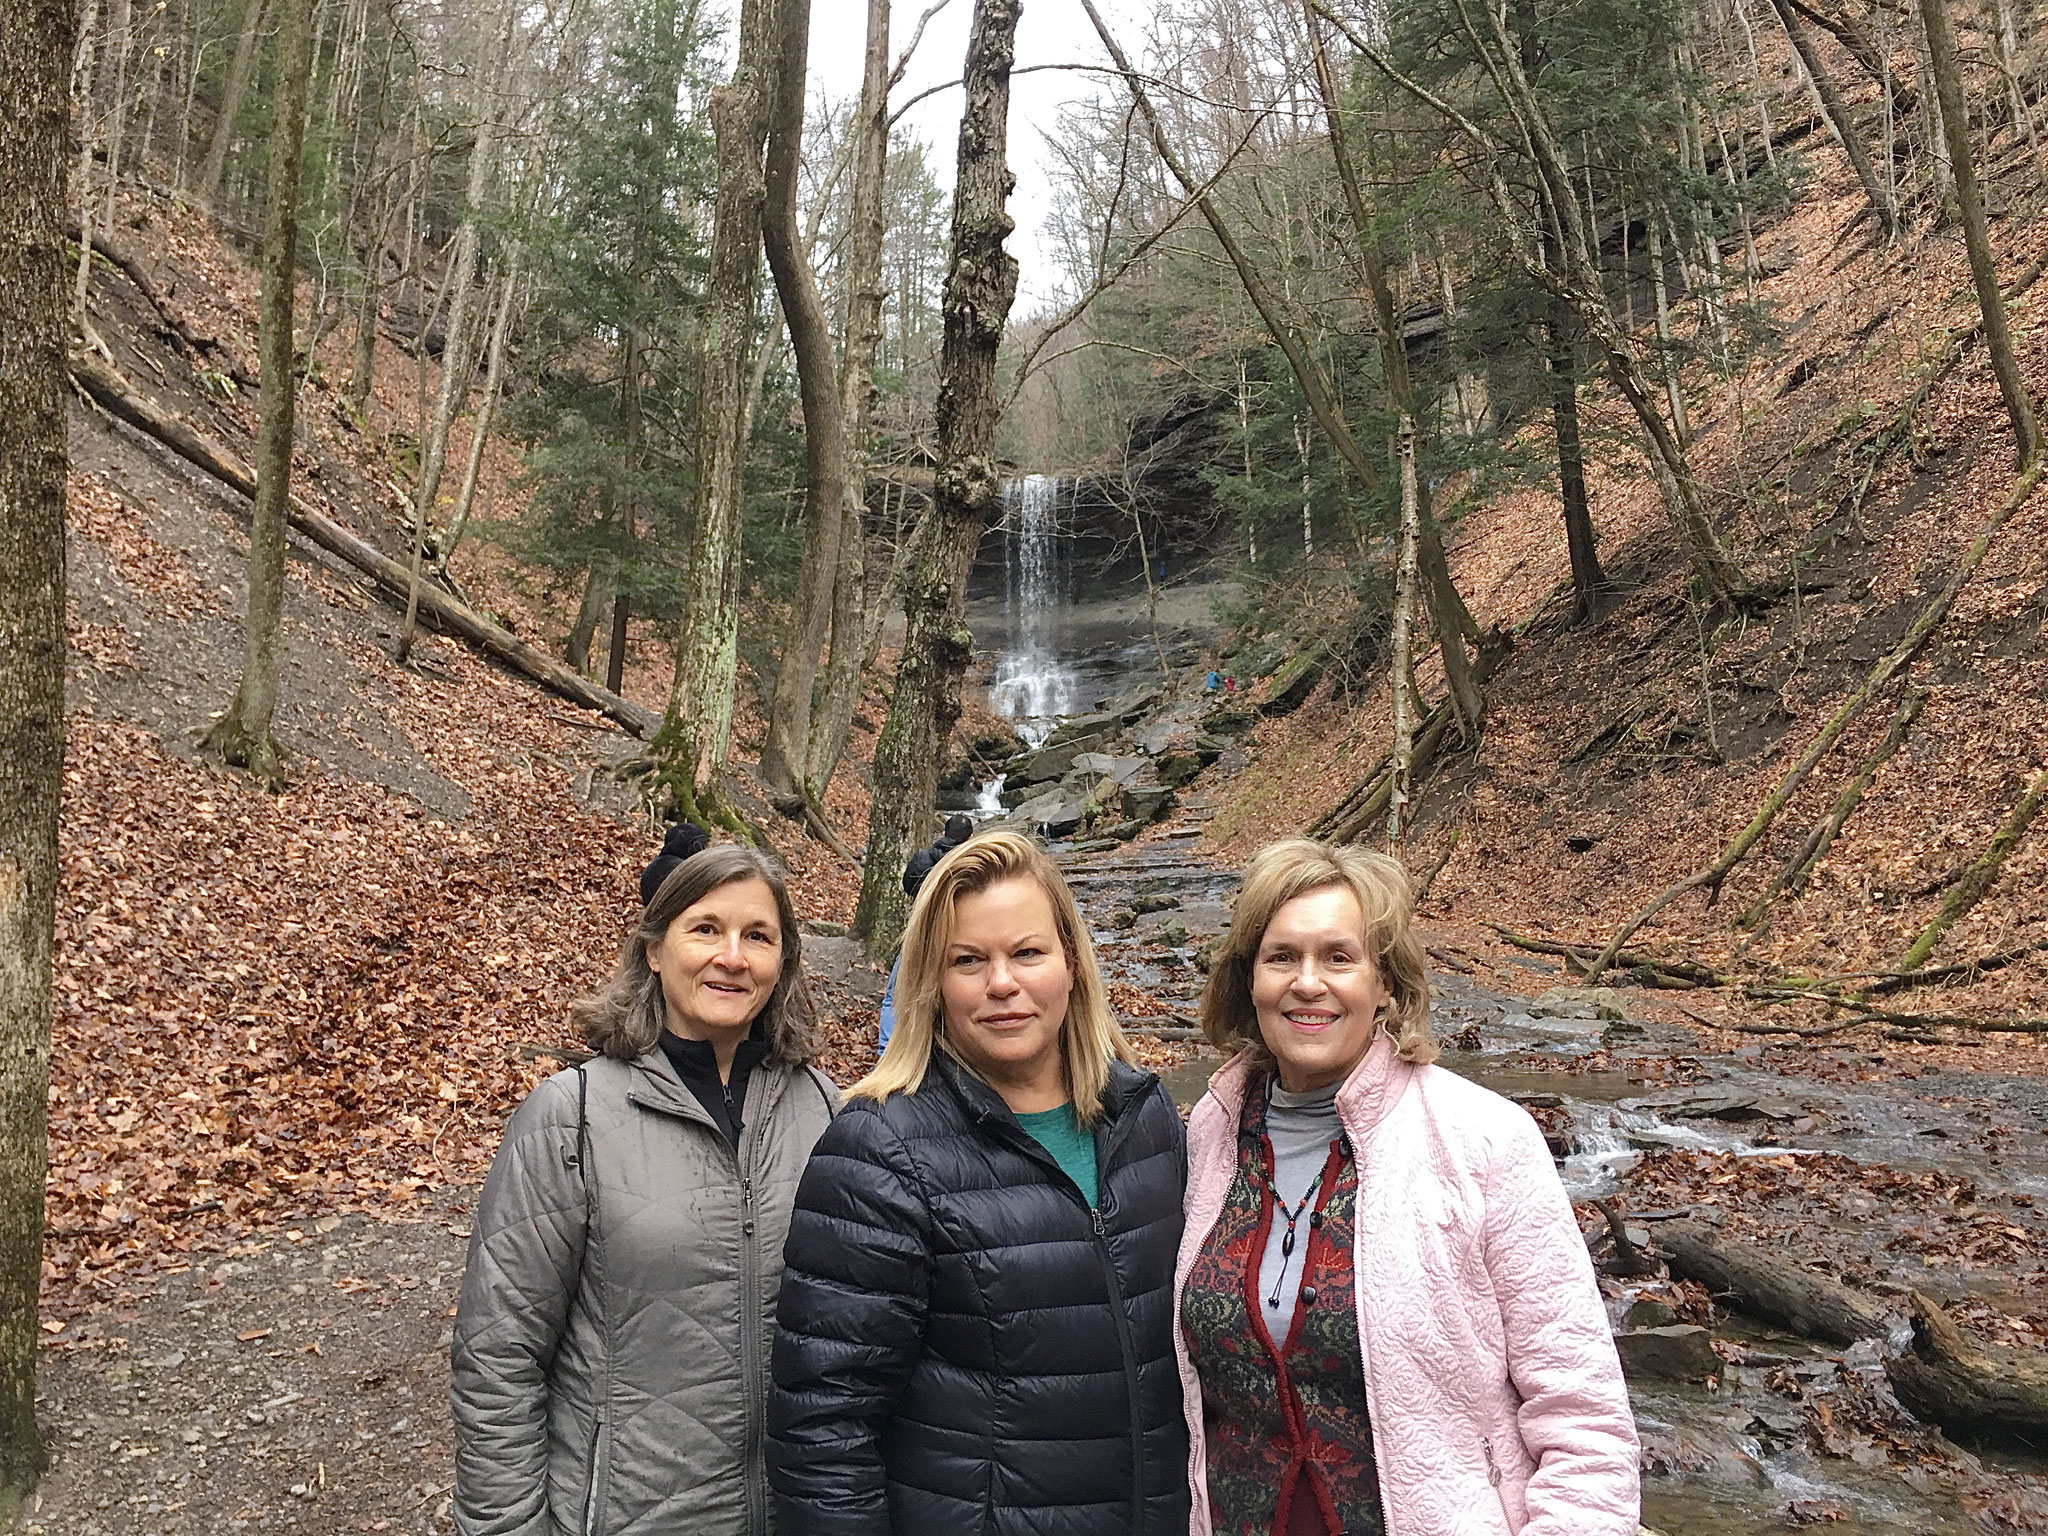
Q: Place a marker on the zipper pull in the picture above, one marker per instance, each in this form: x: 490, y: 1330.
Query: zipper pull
x: 1492, y: 1468
x: 747, y: 1206
x: 1095, y: 1216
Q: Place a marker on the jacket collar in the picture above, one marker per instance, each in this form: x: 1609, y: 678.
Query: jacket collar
x: 1371, y: 1090
x: 1127, y: 1084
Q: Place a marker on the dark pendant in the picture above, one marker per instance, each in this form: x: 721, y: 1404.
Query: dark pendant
x: 1287, y: 1243
x: 1308, y: 1295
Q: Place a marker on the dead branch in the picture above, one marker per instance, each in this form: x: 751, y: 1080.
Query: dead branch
x: 1893, y: 665
x: 1675, y: 974
x: 110, y: 390
x: 1981, y: 874
x: 1810, y: 1305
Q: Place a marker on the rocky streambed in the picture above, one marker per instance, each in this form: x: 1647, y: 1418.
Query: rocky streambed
x: 1804, y: 1158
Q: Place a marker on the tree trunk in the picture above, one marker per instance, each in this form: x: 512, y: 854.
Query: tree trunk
x: 239, y: 70
x: 1811, y: 1305
x: 980, y: 287
x: 867, y: 292
x: 1403, y: 648
x: 35, y: 58
x: 242, y: 734
x: 696, y: 733
x: 1589, y: 581
x: 615, y: 655
x: 1948, y: 90
x: 1667, y: 362
x: 455, y: 361
x: 494, y: 375
x: 1967, y: 1388
x: 1837, y: 113
x: 597, y: 591
x: 826, y: 504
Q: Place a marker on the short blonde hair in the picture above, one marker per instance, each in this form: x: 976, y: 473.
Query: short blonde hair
x: 1276, y: 875
x: 1089, y: 1038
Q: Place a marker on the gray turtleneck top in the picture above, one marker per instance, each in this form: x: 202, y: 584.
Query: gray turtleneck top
x: 1301, y: 1127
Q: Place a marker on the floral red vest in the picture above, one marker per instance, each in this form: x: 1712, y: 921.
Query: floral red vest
x: 1288, y: 1434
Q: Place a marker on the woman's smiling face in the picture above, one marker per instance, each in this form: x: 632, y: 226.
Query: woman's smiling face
x: 719, y: 961
x: 1005, y: 984
x: 1315, y: 989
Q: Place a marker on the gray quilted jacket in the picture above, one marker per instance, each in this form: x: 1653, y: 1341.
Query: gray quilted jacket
x: 611, y: 1350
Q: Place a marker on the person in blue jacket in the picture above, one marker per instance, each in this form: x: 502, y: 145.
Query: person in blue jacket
x: 959, y: 828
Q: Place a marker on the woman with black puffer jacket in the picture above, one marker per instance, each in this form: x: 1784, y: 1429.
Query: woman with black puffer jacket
x: 976, y: 1327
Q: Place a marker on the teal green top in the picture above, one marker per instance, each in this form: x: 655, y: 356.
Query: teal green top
x: 1060, y: 1132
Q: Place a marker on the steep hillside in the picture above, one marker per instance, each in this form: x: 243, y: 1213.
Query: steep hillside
x: 1853, y: 463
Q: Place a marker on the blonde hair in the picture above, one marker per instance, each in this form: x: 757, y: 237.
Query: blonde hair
x: 1089, y: 1037
x: 1276, y: 875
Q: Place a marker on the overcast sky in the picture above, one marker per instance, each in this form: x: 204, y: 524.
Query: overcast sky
x: 1050, y: 32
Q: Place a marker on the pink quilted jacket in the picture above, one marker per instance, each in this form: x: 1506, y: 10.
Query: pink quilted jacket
x: 1497, y: 1402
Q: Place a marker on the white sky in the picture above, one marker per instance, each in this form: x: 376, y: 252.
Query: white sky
x: 1049, y: 32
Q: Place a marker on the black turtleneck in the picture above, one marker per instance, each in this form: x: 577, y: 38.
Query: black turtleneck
x: 697, y: 1065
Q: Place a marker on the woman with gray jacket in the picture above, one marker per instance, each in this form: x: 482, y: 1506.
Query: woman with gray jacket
x: 611, y: 1349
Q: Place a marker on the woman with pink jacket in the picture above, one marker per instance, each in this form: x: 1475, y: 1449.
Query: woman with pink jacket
x: 1388, y: 1324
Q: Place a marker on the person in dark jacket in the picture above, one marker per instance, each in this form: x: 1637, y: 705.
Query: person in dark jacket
x: 611, y: 1348
x: 976, y: 1334
x: 959, y: 828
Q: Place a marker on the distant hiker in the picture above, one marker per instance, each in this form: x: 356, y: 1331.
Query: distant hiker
x: 611, y: 1351
x: 959, y: 828
x: 1387, y: 1318
x: 1213, y: 681
x: 974, y: 1335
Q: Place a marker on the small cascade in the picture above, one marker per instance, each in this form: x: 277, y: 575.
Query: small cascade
x: 1033, y: 687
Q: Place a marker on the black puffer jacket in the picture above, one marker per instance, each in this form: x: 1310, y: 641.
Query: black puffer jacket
x: 964, y: 1347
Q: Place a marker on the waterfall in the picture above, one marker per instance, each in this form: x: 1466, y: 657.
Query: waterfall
x: 1032, y: 686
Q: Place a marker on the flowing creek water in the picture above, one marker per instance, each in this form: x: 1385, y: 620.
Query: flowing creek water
x: 1729, y: 1458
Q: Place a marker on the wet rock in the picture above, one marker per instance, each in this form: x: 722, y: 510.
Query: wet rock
x: 1581, y: 1003
x: 825, y: 930
x: 1057, y: 812
x: 1154, y: 901
x: 1118, y: 919
x: 1133, y: 702
x: 1723, y: 1104
x: 1173, y: 933
x: 1649, y: 1312
x: 1124, y: 831
x: 1146, y: 802
x: 964, y: 798
x: 1102, y: 765
x: 1053, y: 761
x: 1082, y: 727
x: 1679, y: 1353
x: 1097, y: 844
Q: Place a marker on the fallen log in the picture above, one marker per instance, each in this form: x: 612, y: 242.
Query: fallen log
x: 1970, y: 1388
x: 1810, y: 1305
x: 1672, y: 974
x: 118, y: 397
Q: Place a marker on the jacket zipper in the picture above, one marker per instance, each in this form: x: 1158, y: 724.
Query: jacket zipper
x: 750, y: 1308
x: 590, y: 1506
x: 1100, y: 1232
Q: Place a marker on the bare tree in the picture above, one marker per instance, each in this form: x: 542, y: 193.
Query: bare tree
x: 980, y: 287
x: 242, y: 733
x: 1948, y: 88
x: 239, y: 69
x: 826, y: 504
x: 866, y: 292
x: 35, y: 58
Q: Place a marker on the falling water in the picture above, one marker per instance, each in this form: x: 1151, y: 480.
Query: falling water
x: 1032, y: 686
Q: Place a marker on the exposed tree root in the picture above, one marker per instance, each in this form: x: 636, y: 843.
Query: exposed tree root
x: 1674, y: 975
x: 1969, y: 1388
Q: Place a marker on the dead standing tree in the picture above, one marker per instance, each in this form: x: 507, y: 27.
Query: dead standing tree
x: 35, y: 57
x: 242, y: 733
x: 980, y: 287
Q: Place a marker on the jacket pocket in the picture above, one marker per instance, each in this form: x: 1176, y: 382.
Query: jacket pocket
x: 596, y: 1465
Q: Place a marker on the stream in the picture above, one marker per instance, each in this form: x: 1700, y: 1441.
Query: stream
x: 1726, y: 1457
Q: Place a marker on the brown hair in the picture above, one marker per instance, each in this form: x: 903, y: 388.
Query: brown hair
x: 1089, y: 1039
x: 624, y: 1018
x: 1276, y: 875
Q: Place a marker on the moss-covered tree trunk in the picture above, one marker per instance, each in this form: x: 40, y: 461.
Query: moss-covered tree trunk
x: 696, y: 735
x: 35, y: 54
x: 242, y: 734
x: 980, y: 286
